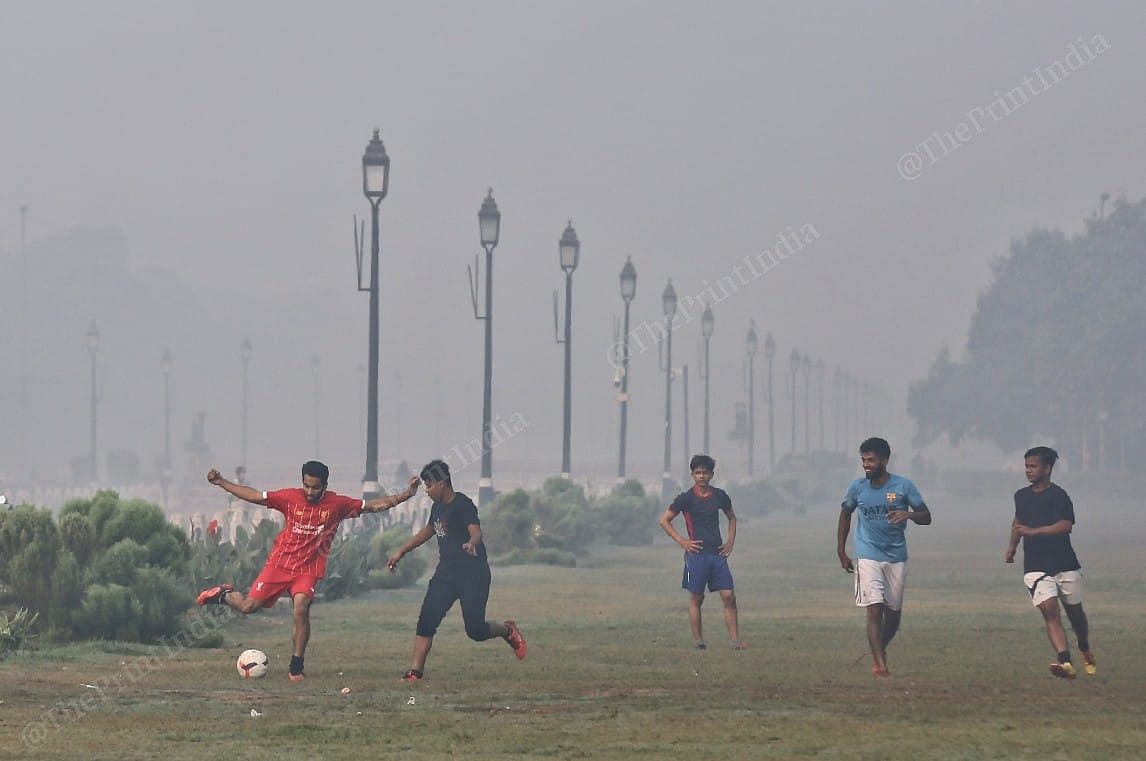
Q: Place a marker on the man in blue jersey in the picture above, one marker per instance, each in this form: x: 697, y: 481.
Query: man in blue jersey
x: 1044, y: 519
x: 885, y: 503
x: 705, y: 553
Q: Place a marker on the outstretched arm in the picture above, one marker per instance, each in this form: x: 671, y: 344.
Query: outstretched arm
x: 417, y: 540
x: 392, y: 500
x: 244, y: 493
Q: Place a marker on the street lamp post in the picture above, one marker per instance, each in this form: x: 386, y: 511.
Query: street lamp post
x: 807, y: 404
x: 707, y: 324
x: 375, y: 185
x: 837, y: 382
x: 315, y: 366
x: 246, y: 351
x: 165, y: 364
x: 668, y: 303
x: 489, y: 227
x: 750, y: 347
x: 93, y: 348
x: 820, y: 386
x: 684, y: 427
x: 770, y: 354
x: 569, y: 250
x: 795, y: 359
x: 628, y: 293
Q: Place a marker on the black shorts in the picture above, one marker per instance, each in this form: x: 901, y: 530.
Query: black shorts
x: 471, y: 587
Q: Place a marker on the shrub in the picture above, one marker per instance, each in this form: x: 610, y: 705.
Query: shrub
x: 626, y: 517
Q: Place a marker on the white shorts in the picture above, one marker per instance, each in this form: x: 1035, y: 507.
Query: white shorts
x: 1043, y: 587
x: 878, y: 581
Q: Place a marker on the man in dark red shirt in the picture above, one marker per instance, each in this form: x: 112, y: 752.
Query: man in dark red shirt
x: 298, y: 559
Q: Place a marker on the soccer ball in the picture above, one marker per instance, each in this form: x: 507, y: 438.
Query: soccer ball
x: 252, y: 664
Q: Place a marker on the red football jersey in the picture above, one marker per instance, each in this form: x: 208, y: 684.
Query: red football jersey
x: 304, y: 542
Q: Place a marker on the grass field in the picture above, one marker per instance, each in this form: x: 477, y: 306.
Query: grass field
x: 611, y: 673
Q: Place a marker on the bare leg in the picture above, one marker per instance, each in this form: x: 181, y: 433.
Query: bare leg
x: 422, y: 647
x: 1079, y: 623
x: 1055, y: 633
x: 875, y: 613
x: 890, y: 626
x: 301, y: 624
x: 731, y: 618
x: 244, y: 605
x: 694, y: 603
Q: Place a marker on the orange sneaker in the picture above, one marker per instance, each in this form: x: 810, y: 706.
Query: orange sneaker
x: 879, y: 673
x: 214, y: 595
x: 515, y: 639
x: 1089, y: 665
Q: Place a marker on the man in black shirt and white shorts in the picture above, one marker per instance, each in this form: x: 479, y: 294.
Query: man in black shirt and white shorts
x: 1044, y: 517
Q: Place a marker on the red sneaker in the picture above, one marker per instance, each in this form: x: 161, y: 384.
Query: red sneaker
x: 515, y: 639
x: 214, y: 595
x: 412, y: 676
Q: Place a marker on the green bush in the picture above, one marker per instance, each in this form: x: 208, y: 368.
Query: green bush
x: 626, y: 517
x: 548, y: 556
x: 107, y: 570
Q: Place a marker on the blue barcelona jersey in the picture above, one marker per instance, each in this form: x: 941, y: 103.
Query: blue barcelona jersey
x: 876, y: 539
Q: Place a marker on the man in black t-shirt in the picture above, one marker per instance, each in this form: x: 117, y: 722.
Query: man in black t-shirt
x: 705, y: 553
x: 1044, y: 517
x: 462, y: 572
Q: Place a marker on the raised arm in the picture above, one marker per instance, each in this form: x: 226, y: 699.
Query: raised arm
x: 245, y: 493
x: 392, y: 500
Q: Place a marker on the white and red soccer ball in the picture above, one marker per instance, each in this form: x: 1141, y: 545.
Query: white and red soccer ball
x: 252, y: 664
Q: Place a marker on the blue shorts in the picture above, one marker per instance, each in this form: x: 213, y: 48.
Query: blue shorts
x: 709, y: 569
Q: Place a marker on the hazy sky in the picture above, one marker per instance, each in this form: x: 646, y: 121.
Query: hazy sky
x: 223, y: 142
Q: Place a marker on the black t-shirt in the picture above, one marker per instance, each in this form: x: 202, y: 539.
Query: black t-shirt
x: 450, y: 521
x: 1048, y: 554
x: 702, y: 515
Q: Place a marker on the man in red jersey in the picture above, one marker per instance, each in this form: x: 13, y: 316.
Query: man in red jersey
x: 298, y: 559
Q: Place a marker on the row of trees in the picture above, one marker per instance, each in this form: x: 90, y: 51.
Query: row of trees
x: 1056, y: 349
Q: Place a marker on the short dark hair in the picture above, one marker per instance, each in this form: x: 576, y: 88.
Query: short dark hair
x: 702, y: 461
x: 435, y: 471
x: 316, y: 469
x: 1046, y: 455
x: 876, y: 446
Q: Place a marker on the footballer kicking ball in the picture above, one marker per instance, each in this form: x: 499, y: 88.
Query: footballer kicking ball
x: 252, y: 664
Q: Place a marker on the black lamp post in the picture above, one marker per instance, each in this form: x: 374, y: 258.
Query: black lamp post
x: 795, y: 359
x: 770, y: 355
x: 93, y: 349
x: 489, y: 228
x: 569, y: 249
x: 707, y: 325
x: 668, y: 304
x: 628, y: 293
x: 246, y: 351
x: 375, y: 185
x: 837, y: 382
x: 166, y: 362
x: 750, y: 347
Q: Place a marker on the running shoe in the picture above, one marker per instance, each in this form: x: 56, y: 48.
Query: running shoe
x: 1063, y: 670
x: 297, y: 677
x: 515, y: 639
x: 879, y: 673
x: 701, y: 645
x: 1089, y: 665
x: 411, y: 676
x: 214, y: 595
